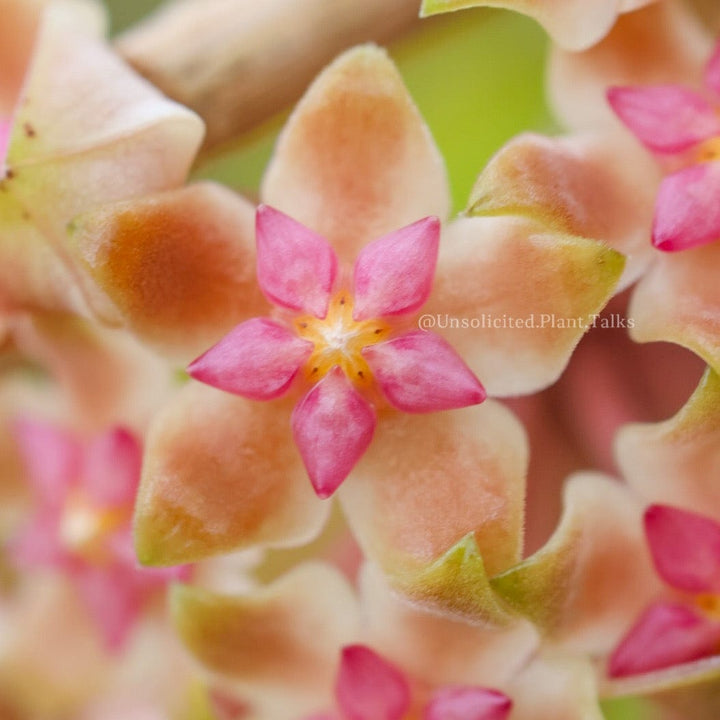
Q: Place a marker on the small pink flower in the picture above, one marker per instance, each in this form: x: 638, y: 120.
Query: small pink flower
x: 685, y: 548
x: 81, y: 527
x: 681, y: 125
x: 345, y: 344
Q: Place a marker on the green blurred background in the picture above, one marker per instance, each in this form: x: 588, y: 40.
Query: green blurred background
x: 477, y: 77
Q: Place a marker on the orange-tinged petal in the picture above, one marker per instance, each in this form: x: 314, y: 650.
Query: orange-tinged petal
x: 221, y: 473
x: 281, y: 644
x: 572, y: 587
x: 514, y: 299
x: 660, y: 44
x: 579, y: 185
x: 402, y: 499
x: 177, y: 267
x: 676, y: 462
x: 355, y: 160
x: 678, y: 300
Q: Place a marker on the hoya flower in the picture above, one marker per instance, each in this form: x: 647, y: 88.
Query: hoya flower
x: 348, y: 342
x: 355, y: 163
x: 81, y: 527
x: 573, y: 24
x: 71, y: 114
x: 308, y: 646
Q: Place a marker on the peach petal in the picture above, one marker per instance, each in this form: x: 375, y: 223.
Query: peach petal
x: 665, y: 635
x: 686, y: 210
x: 296, y: 268
x: 712, y: 71
x: 419, y: 372
x: 570, y: 586
x: 685, y: 548
x: 675, y: 462
x: 401, y: 502
x: 393, y: 275
x: 580, y: 185
x: 356, y: 160
x: 514, y: 298
x: 280, y: 644
x: 258, y: 360
x: 221, y: 473
x: 333, y: 426
x: 177, y: 267
x: 370, y: 688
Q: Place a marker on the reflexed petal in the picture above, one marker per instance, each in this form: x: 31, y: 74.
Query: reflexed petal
x: 712, y: 71
x: 420, y: 372
x: 369, y: 687
x: 177, y: 267
x: 665, y: 635
x: 687, y: 213
x: 685, y: 548
x: 52, y: 459
x: 660, y: 44
x: 573, y: 25
x: 281, y: 644
x: 355, y: 160
x: 258, y: 360
x: 296, y: 268
x: 37, y: 543
x: 666, y: 118
x: 393, y: 275
x: 678, y: 300
x: 333, y: 426
x: 221, y: 473
x: 468, y: 703
x: 111, y: 468
x: 401, y: 501
x: 676, y: 462
x: 580, y: 185
x: 494, y: 271
x: 570, y: 586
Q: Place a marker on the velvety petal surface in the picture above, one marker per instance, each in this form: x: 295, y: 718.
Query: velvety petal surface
x: 281, y: 644
x: 712, y: 71
x: 468, y: 703
x: 686, y: 210
x: 355, y: 160
x: 665, y: 118
x: 660, y: 44
x: 666, y: 634
x: 296, y: 268
x: 514, y: 299
x: 570, y: 586
x: 177, y: 267
x: 258, y: 360
x: 368, y: 687
x: 393, y: 275
x: 419, y: 372
x: 685, y: 548
x: 333, y: 426
x: 401, y: 502
x: 221, y: 473
x: 581, y: 185
x: 675, y: 462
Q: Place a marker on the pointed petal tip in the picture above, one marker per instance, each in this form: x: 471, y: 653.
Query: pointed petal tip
x: 469, y: 703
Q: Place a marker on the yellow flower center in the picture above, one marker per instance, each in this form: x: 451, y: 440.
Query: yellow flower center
x: 339, y: 340
x: 84, y: 528
x: 708, y: 150
x: 709, y: 603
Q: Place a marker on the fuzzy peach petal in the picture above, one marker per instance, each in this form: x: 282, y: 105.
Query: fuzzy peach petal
x: 280, y: 645
x: 712, y: 71
x: 492, y: 269
x: 662, y: 43
x: 221, y: 473
x: 355, y: 160
x: 678, y: 300
x: 439, y: 649
x: 177, y: 267
x: 570, y: 586
x: 401, y: 501
x: 675, y: 462
x: 580, y: 185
